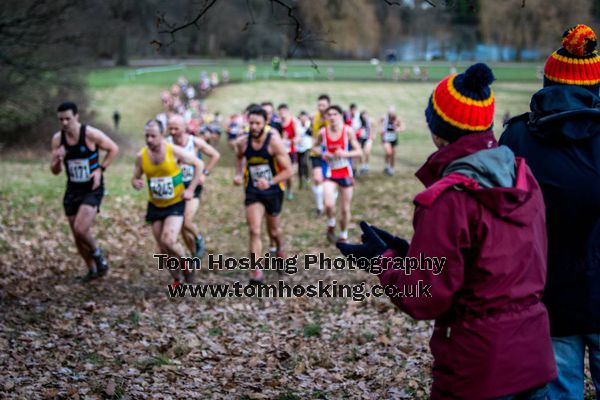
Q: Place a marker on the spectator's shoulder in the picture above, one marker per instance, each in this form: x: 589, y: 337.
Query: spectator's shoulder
x: 523, y: 118
x: 514, y: 125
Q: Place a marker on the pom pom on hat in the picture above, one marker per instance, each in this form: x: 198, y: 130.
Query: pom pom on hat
x: 478, y: 76
x: 580, y: 40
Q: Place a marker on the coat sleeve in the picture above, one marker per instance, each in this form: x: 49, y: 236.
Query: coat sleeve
x: 442, y: 235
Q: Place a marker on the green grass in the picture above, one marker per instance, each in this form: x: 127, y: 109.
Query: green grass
x: 298, y: 70
x: 140, y: 103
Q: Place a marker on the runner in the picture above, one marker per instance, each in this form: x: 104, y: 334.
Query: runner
x: 366, y: 143
x: 289, y: 125
x: 319, y: 120
x: 166, y: 190
x: 305, y: 143
x: 352, y: 119
x: 196, y: 146
x: 274, y: 121
x: 391, y: 125
x: 267, y: 166
x: 235, y: 127
x: 77, y: 147
x: 337, y: 144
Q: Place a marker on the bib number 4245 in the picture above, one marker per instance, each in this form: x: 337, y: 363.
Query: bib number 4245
x: 162, y: 188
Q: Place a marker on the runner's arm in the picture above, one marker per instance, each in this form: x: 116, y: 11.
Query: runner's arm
x: 356, y: 149
x: 57, y: 155
x: 239, y: 144
x: 283, y: 159
x: 105, y: 143
x: 188, y: 158
x: 317, y: 146
x: 210, y: 151
x: 136, y: 181
x: 401, y: 125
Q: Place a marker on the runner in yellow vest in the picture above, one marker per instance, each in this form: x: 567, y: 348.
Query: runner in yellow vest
x: 158, y: 160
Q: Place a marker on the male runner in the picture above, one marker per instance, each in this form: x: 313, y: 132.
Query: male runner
x: 366, y: 143
x: 196, y: 146
x: 76, y: 146
x: 235, y: 127
x: 267, y: 166
x: 391, y: 125
x: 305, y: 143
x: 337, y: 145
x: 272, y: 120
x: 158, y: 160
x: 318, y: 122
x: 289, y: 125
x: 352, y: 119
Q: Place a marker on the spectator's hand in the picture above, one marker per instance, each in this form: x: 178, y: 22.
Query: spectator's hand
x: 372, y: 245
x: 392, y: 242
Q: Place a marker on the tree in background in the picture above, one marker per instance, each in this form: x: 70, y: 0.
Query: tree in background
x: 534, y: 26
x: 41, y: 42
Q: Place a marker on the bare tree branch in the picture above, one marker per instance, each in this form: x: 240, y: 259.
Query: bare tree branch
x: 172, y: 31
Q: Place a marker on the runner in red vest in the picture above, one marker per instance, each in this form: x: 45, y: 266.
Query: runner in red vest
x: 290, y: 139
x: 337, y: 145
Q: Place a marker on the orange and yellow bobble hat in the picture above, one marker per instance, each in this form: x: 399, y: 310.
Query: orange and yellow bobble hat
x: 462, y: 104
x: 576, y: 62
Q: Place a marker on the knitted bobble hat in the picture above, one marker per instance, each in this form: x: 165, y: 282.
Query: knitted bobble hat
x: 462, y: 104
x: 576, y: 62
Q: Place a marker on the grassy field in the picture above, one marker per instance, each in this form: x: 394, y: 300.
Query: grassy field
x: 139, y: 103
x: 296, y: 70
x: 122, y: 336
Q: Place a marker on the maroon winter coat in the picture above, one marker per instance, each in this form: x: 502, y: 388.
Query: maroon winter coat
x: 491, y: 335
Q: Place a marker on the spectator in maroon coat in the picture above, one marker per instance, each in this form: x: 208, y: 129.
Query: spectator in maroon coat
x: 481, y: 218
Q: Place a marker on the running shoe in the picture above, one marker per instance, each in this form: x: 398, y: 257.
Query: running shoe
x: 290, y: 196
x: 101, y: 264
x: 200, y: 246
x: 90, y: 276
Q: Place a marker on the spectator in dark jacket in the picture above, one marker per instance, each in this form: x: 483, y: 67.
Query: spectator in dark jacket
x: 482, y: 218
x: 560, y: 139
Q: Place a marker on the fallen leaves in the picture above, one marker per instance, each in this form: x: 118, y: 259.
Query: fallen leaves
x: 121, y: 337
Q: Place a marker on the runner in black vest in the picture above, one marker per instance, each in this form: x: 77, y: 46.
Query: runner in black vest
x: 267, y: 166
x: 76, y: 146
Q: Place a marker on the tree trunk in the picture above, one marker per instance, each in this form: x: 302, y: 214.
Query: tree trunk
x: 123, y: 49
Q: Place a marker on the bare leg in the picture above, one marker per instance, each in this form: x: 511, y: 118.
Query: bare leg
x: 190, y: 230
x: 367, y: 151
x: 329, y: 197
x: 387, y: 148
x: 345, y: 206
x: 254, y: 216
x: 81, y: 226
x: 274, y: 230
x: 171, y: 228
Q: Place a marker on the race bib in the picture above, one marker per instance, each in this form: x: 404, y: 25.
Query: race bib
x: 338, y: 163
x: 260, y: 171
x: 162, y: 188
x: 390, y: 136
x: 79, y: 170
x: 187, y: 172
x: 288, y: 145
